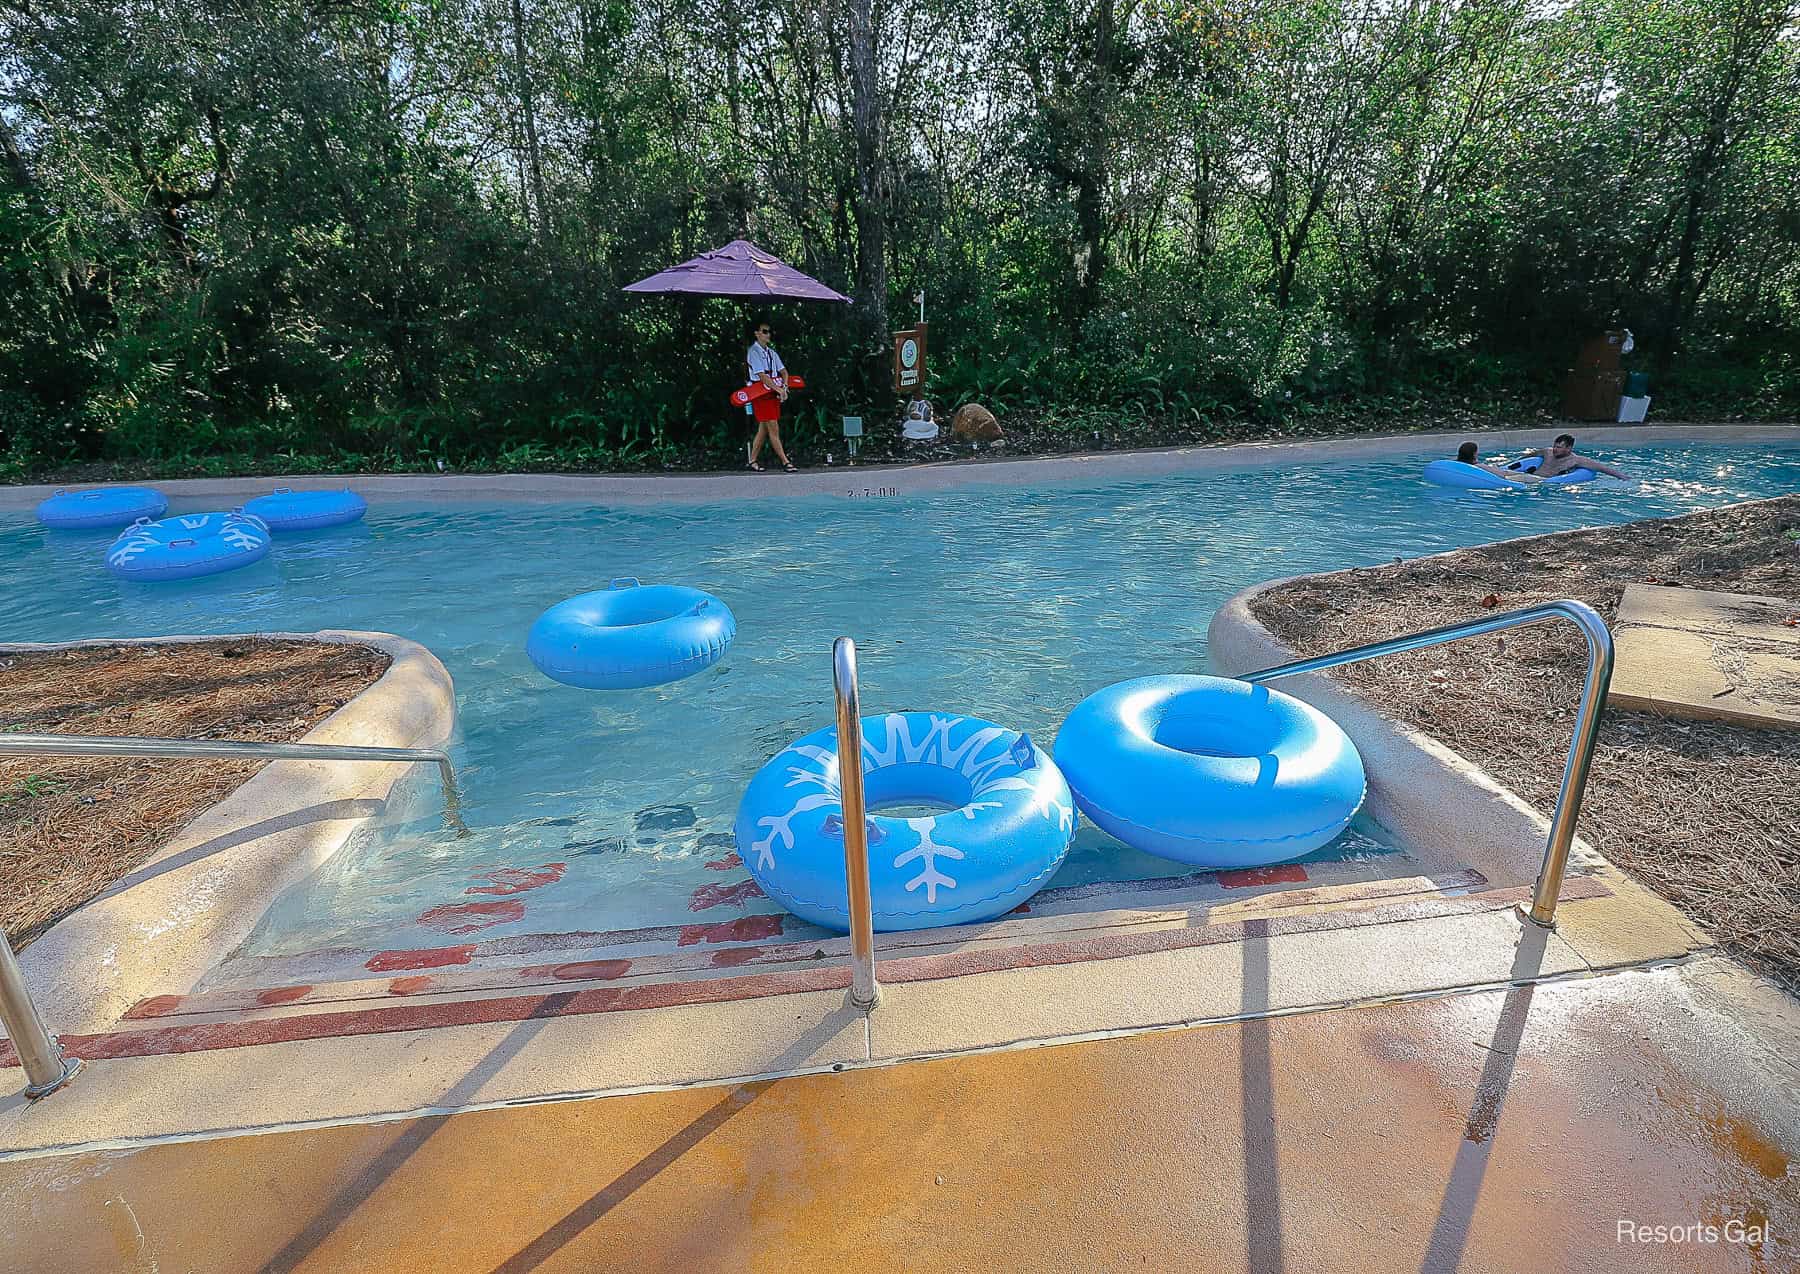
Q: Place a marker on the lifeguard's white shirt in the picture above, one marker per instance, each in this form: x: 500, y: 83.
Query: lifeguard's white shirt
x: 763, y: 361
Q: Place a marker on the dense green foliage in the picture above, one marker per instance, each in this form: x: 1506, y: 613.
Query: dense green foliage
x: 321, y: 232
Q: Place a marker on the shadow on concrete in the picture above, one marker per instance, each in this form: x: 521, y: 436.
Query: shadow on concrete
x: 648, y: 1168
x: 1450, y: 1235
x: 417, y: 1133
x: 325, y: 812
x: 1262, y: 1173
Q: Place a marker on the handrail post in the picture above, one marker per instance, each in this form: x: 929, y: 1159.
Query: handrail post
x: 865, y: 991
x: 1581, y: 747
x: 1542, y: 911
x: 46, y: 1069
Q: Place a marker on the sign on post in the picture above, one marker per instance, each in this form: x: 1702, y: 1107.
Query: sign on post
x: 909, y: 360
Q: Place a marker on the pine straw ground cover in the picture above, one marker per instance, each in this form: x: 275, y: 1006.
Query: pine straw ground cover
x: 70, y: 826
x: 1708, y: 815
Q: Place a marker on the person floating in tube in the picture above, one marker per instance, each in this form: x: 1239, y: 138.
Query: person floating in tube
x: 765, y: 368
x: 1469, y: 453
x: 1560, y: 457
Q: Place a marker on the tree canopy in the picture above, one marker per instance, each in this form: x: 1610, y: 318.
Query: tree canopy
x: 396, y: 230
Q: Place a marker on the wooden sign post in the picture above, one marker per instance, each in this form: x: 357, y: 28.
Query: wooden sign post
x: 909, y: 360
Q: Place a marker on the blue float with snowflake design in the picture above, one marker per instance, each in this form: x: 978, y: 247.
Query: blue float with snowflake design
x: 1006, y: 832
x: 184, y: 547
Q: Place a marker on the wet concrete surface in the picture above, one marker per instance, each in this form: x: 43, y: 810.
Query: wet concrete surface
x: 1504, y: 1130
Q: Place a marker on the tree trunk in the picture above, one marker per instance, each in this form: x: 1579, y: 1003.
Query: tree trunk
x: 533, y: 155
x: 1090, y: 182
x: 871, y: 211
x: 1757, y: 25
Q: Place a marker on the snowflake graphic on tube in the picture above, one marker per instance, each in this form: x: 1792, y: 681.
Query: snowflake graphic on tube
x: 929, y: 851
x: 975, y: 757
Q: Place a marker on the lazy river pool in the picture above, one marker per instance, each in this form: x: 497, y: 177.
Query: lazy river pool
x: 599, y: 811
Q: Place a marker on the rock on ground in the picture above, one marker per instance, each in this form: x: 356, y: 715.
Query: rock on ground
x: 972, y: 420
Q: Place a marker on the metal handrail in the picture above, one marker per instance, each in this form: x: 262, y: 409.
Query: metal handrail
x: 115, y: 745
x: 865, y: 991
x: 46, y: 1069
x: 1587, y: 720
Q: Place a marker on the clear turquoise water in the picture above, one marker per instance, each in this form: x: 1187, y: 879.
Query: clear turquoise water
x: 1005, y: 603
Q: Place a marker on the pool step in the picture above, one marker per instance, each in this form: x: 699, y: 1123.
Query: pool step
x: 642, y: 967
x: 783, y: 978
x: 718, y: 927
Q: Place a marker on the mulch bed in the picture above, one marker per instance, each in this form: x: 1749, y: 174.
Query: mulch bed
x: 71, y: 826
x: 1706, y: 814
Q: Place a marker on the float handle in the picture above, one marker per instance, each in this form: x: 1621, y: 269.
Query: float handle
x: 624, y: 581
x: 834, y: 826
x: 182, y: 544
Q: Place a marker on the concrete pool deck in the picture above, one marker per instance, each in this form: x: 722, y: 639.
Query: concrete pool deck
x: 1519, y: 1127
x: 886, y: 480
x: 440, y: 1046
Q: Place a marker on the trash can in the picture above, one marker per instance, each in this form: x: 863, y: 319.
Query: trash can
x: 1593, y: 387
x: 1602, y: 352
x: 1592, y: 394
x: 1635, y: 404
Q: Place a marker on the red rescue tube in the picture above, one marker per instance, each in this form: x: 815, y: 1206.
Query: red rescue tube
x: 750, y: 394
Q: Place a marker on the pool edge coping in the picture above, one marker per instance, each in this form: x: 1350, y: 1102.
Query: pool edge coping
x: 1429, y: 794
x: 916, y: 478
x: 178, y: 914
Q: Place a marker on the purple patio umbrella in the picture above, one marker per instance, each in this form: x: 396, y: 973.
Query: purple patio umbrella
x: 740, y: 269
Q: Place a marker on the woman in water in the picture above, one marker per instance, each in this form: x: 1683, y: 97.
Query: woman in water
x: 1468, y: 452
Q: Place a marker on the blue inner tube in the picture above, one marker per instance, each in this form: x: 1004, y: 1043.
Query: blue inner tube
x: 286, y: 509
x: 1530, y: 465
x: 628, y: 635
x: 189, y: 545
x: 1454, y: 473
x: 107, y: 506
x: 1210, y: 771
x: 1007, y: 833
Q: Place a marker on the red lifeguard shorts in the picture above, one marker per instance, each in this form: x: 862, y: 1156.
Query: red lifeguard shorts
x: 765, y: 409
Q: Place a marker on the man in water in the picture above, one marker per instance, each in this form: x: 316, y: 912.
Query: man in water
x: 1468, y: 453
x: 1561, y: 458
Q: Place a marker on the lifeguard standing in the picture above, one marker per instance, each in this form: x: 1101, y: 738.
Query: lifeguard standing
x: 744, y: 272
x: 766, y: 369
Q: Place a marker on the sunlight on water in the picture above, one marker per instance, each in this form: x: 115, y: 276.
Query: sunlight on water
x: 1006, y: 603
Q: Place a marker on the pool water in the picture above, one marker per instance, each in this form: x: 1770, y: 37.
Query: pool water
x: 597, y: 811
